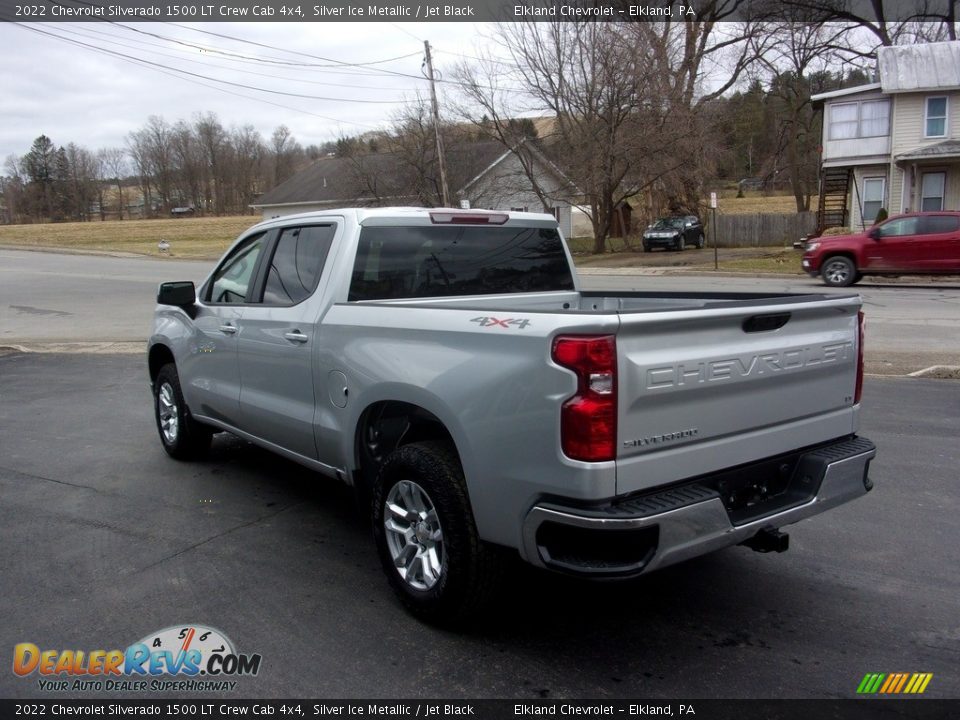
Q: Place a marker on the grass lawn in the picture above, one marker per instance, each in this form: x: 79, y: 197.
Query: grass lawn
x: 188, y: 237
x: 207, y: 238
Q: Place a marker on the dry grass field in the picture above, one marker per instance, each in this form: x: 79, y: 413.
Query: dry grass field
x: 207, y: 238
x: 757, y: 203
x: 188, y: 237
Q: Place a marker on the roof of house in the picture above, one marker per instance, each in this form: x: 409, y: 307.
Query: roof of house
x: 910, y: 68
x: 944, y: 150
x: 346, y: 180
x: 820, y: 97
x: 928, y: 66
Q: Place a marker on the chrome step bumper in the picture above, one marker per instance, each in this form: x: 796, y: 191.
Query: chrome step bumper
x: 637, y: 535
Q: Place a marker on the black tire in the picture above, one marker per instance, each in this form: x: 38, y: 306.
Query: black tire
x: 839, y: 271
x: 681, y: 244
x: 182, y: 437
x: 469, y: 569
x: 646, y: 248
x: 700, y: 242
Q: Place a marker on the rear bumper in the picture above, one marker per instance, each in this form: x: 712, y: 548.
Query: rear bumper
x: 631, y: 536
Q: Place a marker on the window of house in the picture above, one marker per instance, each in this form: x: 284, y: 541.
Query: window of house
x: 931, y: 191
x: 873, y: 192
x: 870, y: 118
x: 844, y: 121
x: 297, y: 263
x: 875, y: 118
x: 936, y: 117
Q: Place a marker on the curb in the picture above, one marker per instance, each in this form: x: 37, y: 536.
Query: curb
x: 122, y: 347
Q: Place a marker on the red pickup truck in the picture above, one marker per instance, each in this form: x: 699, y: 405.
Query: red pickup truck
x: 909, y: 244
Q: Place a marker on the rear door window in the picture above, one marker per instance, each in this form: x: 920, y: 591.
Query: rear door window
x: 434, y: 261
x: 296, y: 264
x: 937, y: 224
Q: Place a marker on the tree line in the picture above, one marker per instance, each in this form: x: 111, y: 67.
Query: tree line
x: 653, y: 114
x: 199, y: 167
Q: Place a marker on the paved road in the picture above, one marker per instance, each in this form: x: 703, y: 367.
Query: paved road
x: 105, y: 540
x: 909, y: 326
x: 49, y: 297
x: 54, y: 298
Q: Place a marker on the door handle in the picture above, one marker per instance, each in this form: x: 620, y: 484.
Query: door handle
x: 228, y: 329
x: 296, y: 336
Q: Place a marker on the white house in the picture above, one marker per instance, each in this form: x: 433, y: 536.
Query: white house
x: 894, y: 144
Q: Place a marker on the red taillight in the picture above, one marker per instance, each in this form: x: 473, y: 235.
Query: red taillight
x: 858, y: 391
x: 461, y: 218
x: 588, y: 420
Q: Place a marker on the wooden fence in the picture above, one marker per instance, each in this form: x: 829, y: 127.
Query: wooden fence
x: 759, y: 230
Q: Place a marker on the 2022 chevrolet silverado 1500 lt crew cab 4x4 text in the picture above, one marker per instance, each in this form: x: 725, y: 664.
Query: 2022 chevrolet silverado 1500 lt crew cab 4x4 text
x: 447, y: 365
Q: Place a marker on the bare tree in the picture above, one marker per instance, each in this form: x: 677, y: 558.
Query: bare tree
x: 152, y: 150
x: 891, y: 22
x: 799, y: 63
x: 214, y: 146
x: 618, y: 126
x: 285, y: 153
x: 191, y: 169
x: 114, y: 161
x: 248, y: 150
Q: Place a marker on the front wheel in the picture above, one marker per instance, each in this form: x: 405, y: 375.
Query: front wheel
x: 681, y: 244
x: 700, y: 241
x: 838, y: 271
x: 182, y: 437
x: 426, y: 535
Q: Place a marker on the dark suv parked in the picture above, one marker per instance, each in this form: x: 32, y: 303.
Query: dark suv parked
x: 910, y: 244
x: 674, y: 232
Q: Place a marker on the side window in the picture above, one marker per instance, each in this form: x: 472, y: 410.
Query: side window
x: 231, y: 281
x: 936, y: 224
x: 297, y: 263
x: 900, y: 227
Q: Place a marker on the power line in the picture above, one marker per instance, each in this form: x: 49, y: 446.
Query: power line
x: 207, y: 77
x: 112, y: 39
x: 171, y: 73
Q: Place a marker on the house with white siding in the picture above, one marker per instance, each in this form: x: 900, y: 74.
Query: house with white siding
x: 893, y: 144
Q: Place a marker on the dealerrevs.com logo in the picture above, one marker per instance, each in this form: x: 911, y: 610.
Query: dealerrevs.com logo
x: 178, y: 658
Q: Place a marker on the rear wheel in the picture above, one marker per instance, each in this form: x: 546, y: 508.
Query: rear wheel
x: 182, y: 437
x: 839, y: 271
x: 426, y: 535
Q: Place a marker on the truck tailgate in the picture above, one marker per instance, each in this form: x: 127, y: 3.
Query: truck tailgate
x: 704, y: 390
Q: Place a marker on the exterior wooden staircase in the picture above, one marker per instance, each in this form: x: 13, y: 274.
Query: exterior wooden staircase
x: 832, y: 207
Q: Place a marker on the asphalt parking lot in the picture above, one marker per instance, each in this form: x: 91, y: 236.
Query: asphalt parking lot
x: 105, y: 540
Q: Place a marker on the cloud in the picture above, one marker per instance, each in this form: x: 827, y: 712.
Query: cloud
x: 76, y: 94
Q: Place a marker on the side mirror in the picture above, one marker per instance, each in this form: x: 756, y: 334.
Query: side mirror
x: 181, y: 293
x: 874, y: 233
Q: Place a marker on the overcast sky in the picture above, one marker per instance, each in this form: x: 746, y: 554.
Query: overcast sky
x: 80, y: 94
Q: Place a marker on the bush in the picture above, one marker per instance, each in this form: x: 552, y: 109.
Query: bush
x: 881, y: 216
x: 836, y: 231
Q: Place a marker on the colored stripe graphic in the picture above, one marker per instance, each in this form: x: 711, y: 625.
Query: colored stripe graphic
x: 894, y: 683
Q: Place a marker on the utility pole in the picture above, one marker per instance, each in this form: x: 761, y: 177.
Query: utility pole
x: 444, y: 190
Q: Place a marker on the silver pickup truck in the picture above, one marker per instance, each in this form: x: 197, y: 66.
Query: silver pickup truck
x: 447, y: 365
